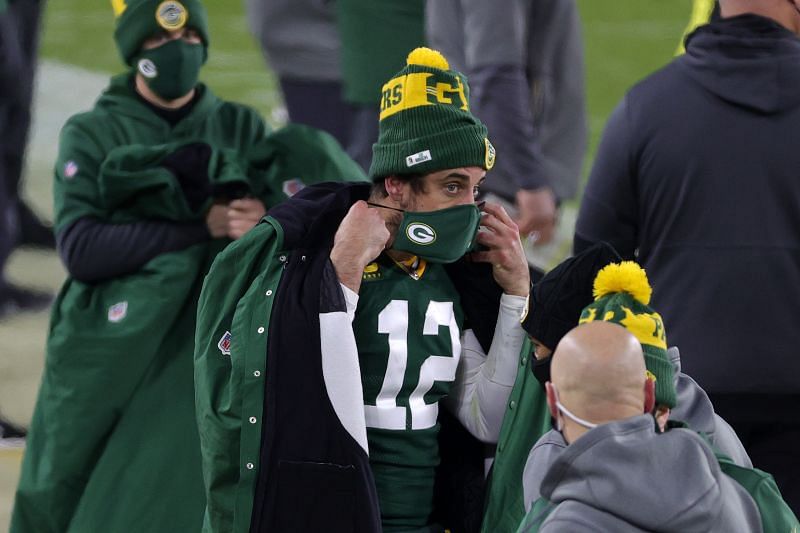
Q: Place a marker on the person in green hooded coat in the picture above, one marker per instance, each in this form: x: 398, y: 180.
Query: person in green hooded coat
x: 149, y: 186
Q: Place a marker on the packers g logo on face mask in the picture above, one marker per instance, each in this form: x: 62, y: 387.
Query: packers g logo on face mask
x: 171, y: 15
x: 420, y: 233
x: 147, y: 68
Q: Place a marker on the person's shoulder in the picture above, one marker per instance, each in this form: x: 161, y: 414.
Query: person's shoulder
x: 89, y: 120
x: 657, y: 85
x: 543, y: 454
x: 85, y: 129
x: 551, y: 439
x: 576, y: 516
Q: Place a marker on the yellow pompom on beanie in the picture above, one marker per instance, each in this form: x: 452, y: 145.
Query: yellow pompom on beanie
x: 622, y: 295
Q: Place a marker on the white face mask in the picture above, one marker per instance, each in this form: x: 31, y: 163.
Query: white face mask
x: 566, y: 412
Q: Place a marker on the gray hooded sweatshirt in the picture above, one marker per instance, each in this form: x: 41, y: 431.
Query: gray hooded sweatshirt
x: 625, y: 477
x: 694, y: 408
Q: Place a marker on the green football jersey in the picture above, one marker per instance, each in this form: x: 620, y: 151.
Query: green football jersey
x: 408, y: 333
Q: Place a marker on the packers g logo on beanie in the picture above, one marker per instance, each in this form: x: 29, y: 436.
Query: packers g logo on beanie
x: 425, y: 121
x: 171, y: 15
x: 490, y: 154
x: 622, y: 294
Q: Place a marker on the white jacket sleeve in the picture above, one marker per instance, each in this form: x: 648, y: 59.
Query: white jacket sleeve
x: 483, y: 382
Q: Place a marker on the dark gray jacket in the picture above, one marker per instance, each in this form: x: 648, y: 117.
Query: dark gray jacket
x: 699, y: 170
x: 597, y: 483
x: 524, y: 60
x: 298, y: 37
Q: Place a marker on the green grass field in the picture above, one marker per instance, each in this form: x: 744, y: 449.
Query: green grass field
x: 625, y: 40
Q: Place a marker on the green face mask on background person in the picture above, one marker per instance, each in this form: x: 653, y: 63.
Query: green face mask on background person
x: 441, y: 236
x: 172, y: 69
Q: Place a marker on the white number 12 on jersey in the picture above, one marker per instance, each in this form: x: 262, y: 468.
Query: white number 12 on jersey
x: 393, y: 320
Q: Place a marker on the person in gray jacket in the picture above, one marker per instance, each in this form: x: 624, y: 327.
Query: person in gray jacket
x: 524, y: 59
x: 301, y: 43
x: 693, y: 408
x: 618, y: 472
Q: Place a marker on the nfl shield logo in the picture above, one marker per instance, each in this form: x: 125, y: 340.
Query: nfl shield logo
x: 224, y: 344
x: 70, y: 169
x: 117, y: 312
x: 292, y: 187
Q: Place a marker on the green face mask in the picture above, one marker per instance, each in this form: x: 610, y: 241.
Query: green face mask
x: 172, y: 69
x: 442, y: 236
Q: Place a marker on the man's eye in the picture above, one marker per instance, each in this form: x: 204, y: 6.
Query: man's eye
x: 452, y: 187
x: 476, y: 190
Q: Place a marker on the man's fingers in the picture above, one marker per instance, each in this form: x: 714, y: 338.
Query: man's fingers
x: 244, y: 203
x: 489, y: 239
x: 359, y: 207
x: 498, y: 212
x: 525, y: 226
x: 544, y: 231
x: 498, y: 226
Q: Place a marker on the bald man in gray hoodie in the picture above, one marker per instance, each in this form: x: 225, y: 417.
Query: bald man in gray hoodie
x: 618, y: 472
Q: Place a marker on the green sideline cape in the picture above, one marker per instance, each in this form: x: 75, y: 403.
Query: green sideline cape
x: 113, y: 444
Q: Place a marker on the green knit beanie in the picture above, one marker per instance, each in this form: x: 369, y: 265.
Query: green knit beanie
x: 139, y: 19
x: 622, y: 294
x: 425, y: 122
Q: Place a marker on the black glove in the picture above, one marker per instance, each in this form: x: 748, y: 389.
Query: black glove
x: 189, y: 165
x: 232, y: 190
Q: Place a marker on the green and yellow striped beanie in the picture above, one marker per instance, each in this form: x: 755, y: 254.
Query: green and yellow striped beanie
x: 622, y: 294
x: 425, y: 121
x: 137, y: 20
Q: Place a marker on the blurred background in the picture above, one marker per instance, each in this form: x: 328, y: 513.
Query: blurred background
x: 624, y: 39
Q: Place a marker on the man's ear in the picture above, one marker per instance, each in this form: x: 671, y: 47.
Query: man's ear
x: 395, y: 187
x: 649, y: 395
x: 551, y: 399
x: 662, y: 416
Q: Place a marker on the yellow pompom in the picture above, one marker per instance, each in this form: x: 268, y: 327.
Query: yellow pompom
x: 427, y: 58
x: 119, y: 7
x: 626, y: 276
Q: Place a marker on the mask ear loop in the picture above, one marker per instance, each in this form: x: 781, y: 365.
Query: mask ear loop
x: 385, y: 207
x: 566, y: 412
x: 479, y: 205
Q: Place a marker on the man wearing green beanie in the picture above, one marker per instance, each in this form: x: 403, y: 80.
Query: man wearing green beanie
x: 353, y: 320
x: 149, y: 186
